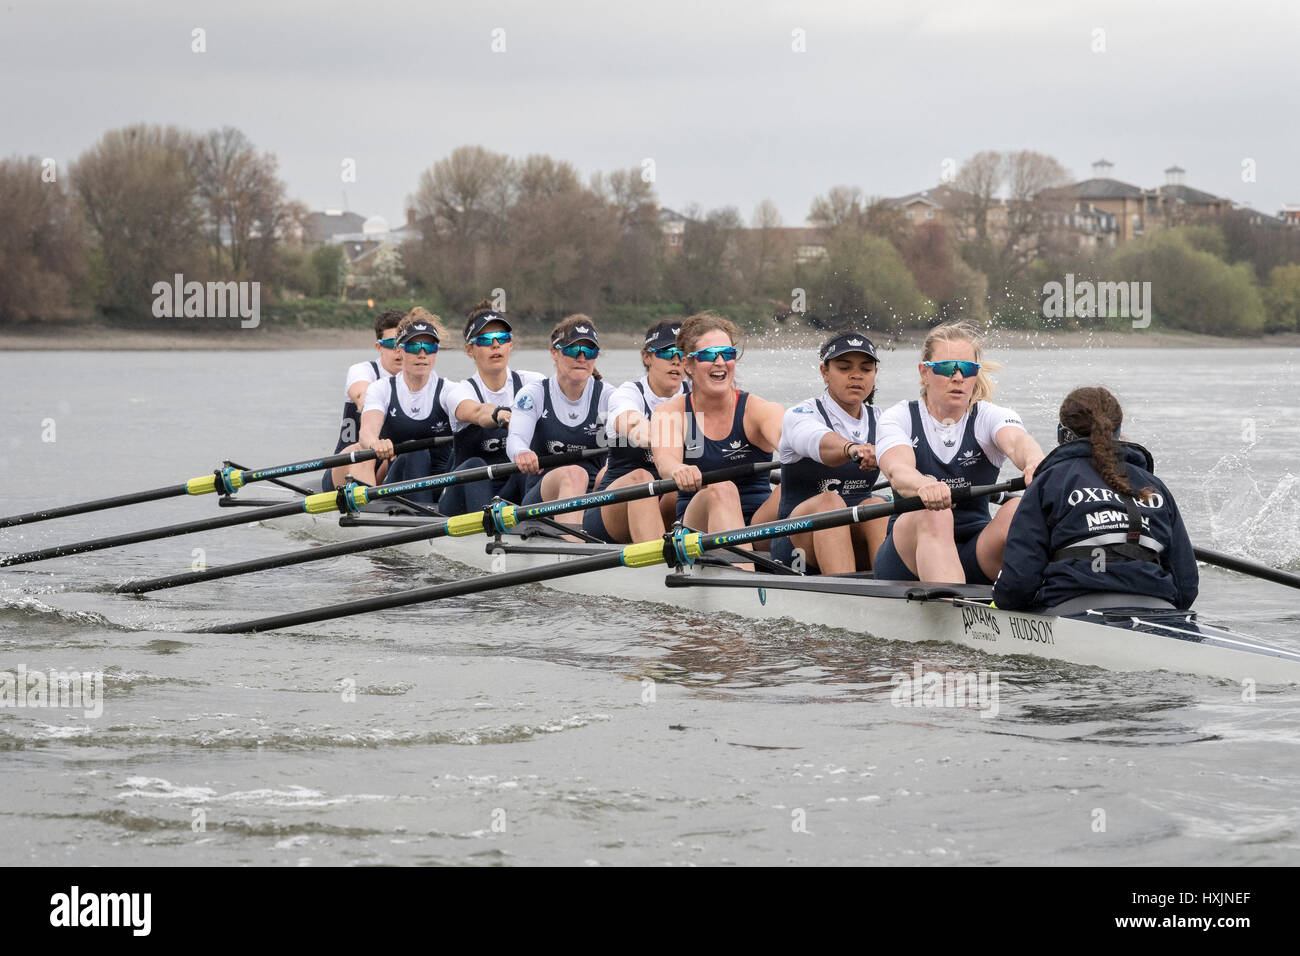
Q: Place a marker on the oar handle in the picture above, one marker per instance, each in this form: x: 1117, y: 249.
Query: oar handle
x: 478, y: 474
x: 1246, y: 566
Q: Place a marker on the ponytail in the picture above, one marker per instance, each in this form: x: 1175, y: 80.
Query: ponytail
x: 1095, y: 414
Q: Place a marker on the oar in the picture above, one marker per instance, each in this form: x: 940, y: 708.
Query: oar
x: 678, y: 547
x: 347, y: 498
x: 471, y: 523
x: 1246, y: 566
x: 223, y: 479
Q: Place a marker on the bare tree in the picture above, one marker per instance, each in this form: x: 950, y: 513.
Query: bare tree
x: 635, y: 275
x: 139, y: 192
x: 42, y: 255
x: 841, y: 206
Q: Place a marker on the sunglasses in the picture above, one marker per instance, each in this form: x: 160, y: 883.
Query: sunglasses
x: 670, y: 353
x: 708, y: 356
x: 950, y: 368
x: 388, y: 343
x: 415, y: 348
x: 586, y: 351
x: 492, y: 338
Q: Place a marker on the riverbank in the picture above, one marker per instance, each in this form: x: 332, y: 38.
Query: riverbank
x: 84, y: 336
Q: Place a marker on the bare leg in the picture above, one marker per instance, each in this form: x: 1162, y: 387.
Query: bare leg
x: 830, y: 550
x: 639, y: 520
x: 717, y: 508
x: 924, y: 540
x: 362, y: 471
x: 993, y: 539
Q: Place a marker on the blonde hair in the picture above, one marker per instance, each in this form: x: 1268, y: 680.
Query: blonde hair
x: 702, y: 323
x: 962, y: 331
x: 421, y: 314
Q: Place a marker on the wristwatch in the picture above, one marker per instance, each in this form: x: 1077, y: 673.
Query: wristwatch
x: 496, y: 414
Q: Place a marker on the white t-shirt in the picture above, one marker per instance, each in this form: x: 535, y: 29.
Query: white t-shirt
x: 530, y: 403
x: 417, y: 405
x: 803, y: 427
x: 895, y: 429
x: 361, y: 372
x: 464, y: 392
x: 627, y: 398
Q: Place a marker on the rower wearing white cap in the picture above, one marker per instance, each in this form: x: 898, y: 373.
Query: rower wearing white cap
x: 828, y: 461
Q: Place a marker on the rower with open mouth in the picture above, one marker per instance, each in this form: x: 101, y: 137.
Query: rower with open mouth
x: 952, y: 437
x: 360, y: 376
x: 481, y: 416
x: 713, y: 426
x: 1096, y: 528
x: 564, y: 413
x: 631, y: 458
x: 404, y: 407
x: 828, y: 460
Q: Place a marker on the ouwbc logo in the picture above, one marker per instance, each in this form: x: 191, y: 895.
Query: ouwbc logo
x: 525, y: 403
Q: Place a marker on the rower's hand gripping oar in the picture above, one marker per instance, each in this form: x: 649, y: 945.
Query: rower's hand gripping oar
x: 497, y: 518
x: 350, y: 498
x: 678, y: 547
x: 226, y: 480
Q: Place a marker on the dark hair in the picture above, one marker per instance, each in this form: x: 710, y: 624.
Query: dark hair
x: 390, y: 319
x: 1094, y: 413
x: 566, y: 323
x: 483, y: 305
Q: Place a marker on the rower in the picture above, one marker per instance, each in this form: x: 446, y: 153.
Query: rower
x: 481, y: 412
x: 952, y: 437
x: 564, y: 413
x: 828, y: 461
x: 631, y: 461
x: 359, y: 378
x: 405, y: 407
x: 1082, y: 537
x: 747, y: 430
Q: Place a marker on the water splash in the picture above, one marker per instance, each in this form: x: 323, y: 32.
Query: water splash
x: 1247, y: 520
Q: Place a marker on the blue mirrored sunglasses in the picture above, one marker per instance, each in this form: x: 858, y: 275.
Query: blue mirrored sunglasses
x: 670, y: 353
x: 415, y: 348
x: 586, y: 351
x: 708, y: 356
x: 388, y: 343
x: 492, y: 338
x: 950, y: 368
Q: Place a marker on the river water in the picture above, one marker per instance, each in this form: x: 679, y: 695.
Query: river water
x: 515, y: 728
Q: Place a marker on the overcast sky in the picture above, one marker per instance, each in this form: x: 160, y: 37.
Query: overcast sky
x: 711, y: 91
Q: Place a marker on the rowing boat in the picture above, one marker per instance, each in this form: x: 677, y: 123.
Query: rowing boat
x: 1113, y: 638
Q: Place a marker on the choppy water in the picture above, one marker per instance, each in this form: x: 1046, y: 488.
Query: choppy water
x: 512, y: 728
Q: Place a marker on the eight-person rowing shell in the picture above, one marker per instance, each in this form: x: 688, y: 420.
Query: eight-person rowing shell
x: 481, y: 413
x: 953, y: 436
x: 561, y: 414
x: 405, y: 407
x: 1096, y: 528
x: 715, y: 425
x: 631, y: 458
x: 828, y: 461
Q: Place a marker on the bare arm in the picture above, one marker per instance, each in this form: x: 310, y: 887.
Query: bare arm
x: 667, y: 444
x: 1018, y: 445
x: 763, y: 421
x: 899, y: 466
x: 480, y: 414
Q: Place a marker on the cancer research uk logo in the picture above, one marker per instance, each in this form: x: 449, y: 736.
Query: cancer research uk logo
x: 57, y: 690
x: 215, y: 300
x: 1091, y: 300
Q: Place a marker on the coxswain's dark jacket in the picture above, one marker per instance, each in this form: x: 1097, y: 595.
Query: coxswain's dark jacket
x: 1068, y: 508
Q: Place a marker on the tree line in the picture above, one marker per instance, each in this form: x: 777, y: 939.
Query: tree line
x: 146, y: 202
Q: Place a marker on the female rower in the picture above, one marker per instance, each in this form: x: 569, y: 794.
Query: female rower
x: 1083, y: 537
x: 828, y: 461
x: 359, y: 378
x: 405, y: 407
x: 952, y: 437
x: 563, y: 413
x: 631, y: 461
x: 481, y: 413
x: 747, y: 430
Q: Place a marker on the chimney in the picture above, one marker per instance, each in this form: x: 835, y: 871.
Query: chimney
x: 410, y: 217
x: 1174, y: 176
x: 1101, y: 169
